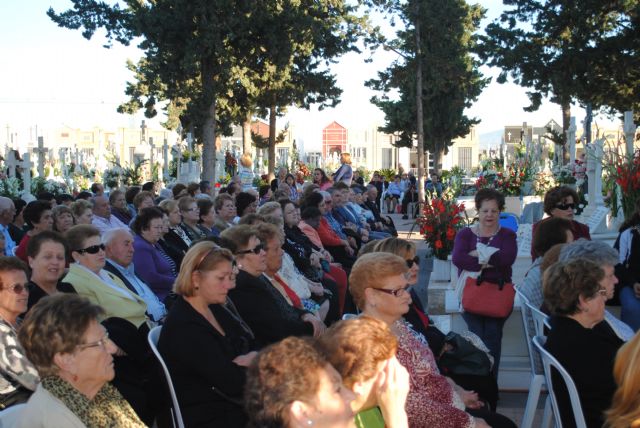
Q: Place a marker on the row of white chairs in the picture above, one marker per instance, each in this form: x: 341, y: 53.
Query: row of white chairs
x: 535, y: 344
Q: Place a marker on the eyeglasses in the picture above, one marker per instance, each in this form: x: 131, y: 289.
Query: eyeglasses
x: 100, y: 343
x: 411, y: 262
x: 395, y: 292
x: 565, y: 206
x: 256, y: 250
x: 16, y: 288
x: 94, y: 249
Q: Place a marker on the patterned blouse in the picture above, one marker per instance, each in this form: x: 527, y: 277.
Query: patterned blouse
x: 15, y: 369
x: 431, y: 402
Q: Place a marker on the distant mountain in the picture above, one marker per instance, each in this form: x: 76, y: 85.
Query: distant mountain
x: 492, y: 138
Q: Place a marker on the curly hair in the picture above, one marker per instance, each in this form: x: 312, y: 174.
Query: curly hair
x: 371, y: 271
x: 282, y: 373
x: 565, y: 282
x: 357, y: 346
x: 555, y: 195
x: 488, y: 194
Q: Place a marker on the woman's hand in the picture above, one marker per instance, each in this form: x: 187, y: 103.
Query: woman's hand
x: 315, y: 260
x: 391, y: 394
x: 473, y: 253
x: 246, y: 359
x: 481, y: 423
x: 315, y: 288
x: 470, y: 399
x: 318, y: 325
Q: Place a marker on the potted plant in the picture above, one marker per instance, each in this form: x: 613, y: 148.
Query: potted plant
x: 441, y: 220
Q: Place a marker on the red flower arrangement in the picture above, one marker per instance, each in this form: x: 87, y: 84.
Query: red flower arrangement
x: 442, y: 220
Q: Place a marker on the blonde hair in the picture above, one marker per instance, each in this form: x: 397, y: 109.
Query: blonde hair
x: 245, y: 160
x: 346, y: 158
x: 625, y: 406
x: 372, y: 271
x: 398, y: 246
x: 203, y: 256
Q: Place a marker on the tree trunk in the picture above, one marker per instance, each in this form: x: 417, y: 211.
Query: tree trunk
x: 565, y: 104
x: 419, y: 112
x: 438, y: 154
x: 272, y: 142
x: 246, y: 134
x: 207, y: 71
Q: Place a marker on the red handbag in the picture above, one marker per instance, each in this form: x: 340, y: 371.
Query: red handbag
x: 487, y: 298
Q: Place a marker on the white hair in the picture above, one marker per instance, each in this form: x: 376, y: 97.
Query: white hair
x: 110, y: 234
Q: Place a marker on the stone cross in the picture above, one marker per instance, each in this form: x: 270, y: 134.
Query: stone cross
x: 41, y: 153
x: 525, y: 137
x: 151, y: 156
x: 571, y: 140
x: 596, y: 198
x: 62, y: 154
x: 12, y: 162
x: 629, y: 132
x: 26, y: 177
x: 165, y: 163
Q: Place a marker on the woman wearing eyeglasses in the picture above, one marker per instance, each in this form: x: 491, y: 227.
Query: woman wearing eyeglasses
x: 74, y: 356
x: 260, y: 304
x: 158, y: 269
x: 205, y: 343
x: 18, y: 377
x: 378, y: 283
x: 561, y: 201
x: 575, y: 291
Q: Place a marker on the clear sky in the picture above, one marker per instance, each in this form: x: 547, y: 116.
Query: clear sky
x: 50, y: 76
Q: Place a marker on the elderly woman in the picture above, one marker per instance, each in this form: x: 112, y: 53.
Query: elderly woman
x: 190, y: 217
x: 225, y: 207
x: 119, y: 206
x: 175, y: 238
x: 246, y: 203
x: 489, y: 250
x: 320, y: 178
x: 47, y: 253
x: 205, y: 343
x: 379, y: 287
x: 485, y: 385
x: 62, y: 218
x: 363, y: 351
x: 561, y: 202
x: 73, y: 354
x: 259, y: 303
x: 82, y: 211
x: 37, y: 215
x: 158, y: 269
x: 207, y: 217
x: 575, y: 292
x: 18, y: 377
x: 292, y: 385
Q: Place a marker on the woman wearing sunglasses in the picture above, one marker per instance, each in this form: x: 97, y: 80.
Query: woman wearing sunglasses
x: 561, y: 201
x: 260, y: 304
x: 18, y: 377
x: 378, y: 283
x: 205, y: 343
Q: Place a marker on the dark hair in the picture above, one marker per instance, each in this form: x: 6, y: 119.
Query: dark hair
x: 310, y: 213
x: 243, y: 200
x: 46, y: 196
x: 312, y: 200
x: 131, y: 193
x: 144, y: 217
x: 33, y: 211
x: 78, y: 234
x: 236, y: 237
x: 19, y: 204
x: 488, y: 194
x: 35, y: 243
x: 324, y: 178
x: 8, y: 264
x: 232, y: 188
x: 340, y: 185
x: 205, y: 185
x: 84, y: 195
x: 550, y: 231
x: 178, y: 188
x: 634, y: 219
x: 148, y: 186
x: 556, y: 195
x: 204, y: 206
x: 263, y: 190
x: 191, y: 189
x: 95, y: 187
x: 63, y: 197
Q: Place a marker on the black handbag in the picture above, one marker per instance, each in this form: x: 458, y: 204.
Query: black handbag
x: 463, y: 357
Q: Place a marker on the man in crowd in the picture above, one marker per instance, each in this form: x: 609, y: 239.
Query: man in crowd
x: 102, y: 217
x: 7, y: 211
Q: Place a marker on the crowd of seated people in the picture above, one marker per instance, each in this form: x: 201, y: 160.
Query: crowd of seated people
x: 250, y: 292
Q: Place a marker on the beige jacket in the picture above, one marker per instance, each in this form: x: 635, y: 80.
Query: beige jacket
x: 43, y: 410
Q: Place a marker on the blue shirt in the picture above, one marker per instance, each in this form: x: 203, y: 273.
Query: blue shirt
x: 9, y: 244
x: 155, y: 308
x: 337, y: 227
x: 394, y: 188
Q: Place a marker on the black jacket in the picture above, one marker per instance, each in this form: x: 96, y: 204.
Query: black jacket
x: 588, y: 355
x: 266, y: 311
x: 209, y: 385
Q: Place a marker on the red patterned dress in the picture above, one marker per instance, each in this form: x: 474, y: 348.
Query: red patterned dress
x: 431, y: 402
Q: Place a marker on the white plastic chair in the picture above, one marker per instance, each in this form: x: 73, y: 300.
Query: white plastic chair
x: 549, y: 361
x: 11, y: 415
x: 540, y: 319
x: 176, y: 416
x: 537, y: 371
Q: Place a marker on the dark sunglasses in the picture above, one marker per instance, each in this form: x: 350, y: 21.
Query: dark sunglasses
x: 213, y: 250
x: 17, y: 288
x: 395, y: 292
x: 94, y: 249
x: 411, y: 262
x: 256, y: 250
x: 565, y: 206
